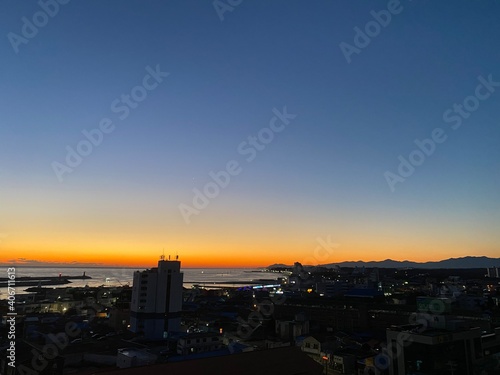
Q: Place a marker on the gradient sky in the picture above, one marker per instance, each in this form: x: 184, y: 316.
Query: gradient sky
x: 322, y: 177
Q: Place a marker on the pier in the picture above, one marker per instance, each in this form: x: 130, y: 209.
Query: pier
x: 43, y: 280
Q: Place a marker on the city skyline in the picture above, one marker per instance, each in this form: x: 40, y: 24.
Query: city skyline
x: 267, y: 133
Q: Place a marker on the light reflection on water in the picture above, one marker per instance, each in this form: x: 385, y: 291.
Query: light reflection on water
x: 124, y: 276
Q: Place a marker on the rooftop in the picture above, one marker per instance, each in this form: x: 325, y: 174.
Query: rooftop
x: 280, y: 361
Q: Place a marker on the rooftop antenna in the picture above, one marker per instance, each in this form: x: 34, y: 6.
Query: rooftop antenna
x: 162, y: 256
x: 176, y: 256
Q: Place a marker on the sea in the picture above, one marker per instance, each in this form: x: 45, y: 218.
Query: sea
x: 204, y: 277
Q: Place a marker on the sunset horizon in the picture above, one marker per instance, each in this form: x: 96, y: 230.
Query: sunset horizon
x: 202, y: 134
x: 250, y: 187
x: 186, y: 264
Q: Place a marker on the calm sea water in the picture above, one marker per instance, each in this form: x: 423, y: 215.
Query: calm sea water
x: 124, y: 276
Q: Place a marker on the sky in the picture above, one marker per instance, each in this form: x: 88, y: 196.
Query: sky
x: 125, y: 125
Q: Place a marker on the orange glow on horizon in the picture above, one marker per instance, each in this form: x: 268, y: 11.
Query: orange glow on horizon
x: 222, y: 257
x: 216, y: 239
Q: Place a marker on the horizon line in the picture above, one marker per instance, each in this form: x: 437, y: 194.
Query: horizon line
x: 94, y: 265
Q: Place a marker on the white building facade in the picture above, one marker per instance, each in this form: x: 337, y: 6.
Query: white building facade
x: 156, y: 305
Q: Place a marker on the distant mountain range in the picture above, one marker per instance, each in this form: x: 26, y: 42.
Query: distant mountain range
x: 464, y: 262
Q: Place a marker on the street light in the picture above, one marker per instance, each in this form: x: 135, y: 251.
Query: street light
x: 325, y: 358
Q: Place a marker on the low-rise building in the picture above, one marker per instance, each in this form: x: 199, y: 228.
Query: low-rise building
x: 288, y: 330
x: 132, y: 357
x: 440, y: 351
x: 199, y: 343
x: 311, y: 345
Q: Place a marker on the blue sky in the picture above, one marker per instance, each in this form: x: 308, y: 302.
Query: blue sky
x: 325, y: 172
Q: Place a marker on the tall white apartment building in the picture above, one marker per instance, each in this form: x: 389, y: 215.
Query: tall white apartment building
x: 156, y: 304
